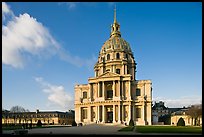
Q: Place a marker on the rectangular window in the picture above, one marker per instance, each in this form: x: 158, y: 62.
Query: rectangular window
x: 138, y: 112
x: 85, y: 94
x: 84, y: 114
x: 138, y: 92
x: 110, y: 94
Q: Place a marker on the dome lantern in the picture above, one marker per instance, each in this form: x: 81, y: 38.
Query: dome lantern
x: 115, y: 28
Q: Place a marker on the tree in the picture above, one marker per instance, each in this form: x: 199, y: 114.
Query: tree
x: 17, y: 109
x: 131, y: 123
x: 74, y: 123
x: 195, y: 111
x: 39, y: 123
x: 166, y: 119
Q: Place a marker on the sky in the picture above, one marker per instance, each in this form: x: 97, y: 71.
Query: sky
x: 49, y: 47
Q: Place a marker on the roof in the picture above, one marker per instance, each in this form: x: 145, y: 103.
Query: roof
x: 115, y: 43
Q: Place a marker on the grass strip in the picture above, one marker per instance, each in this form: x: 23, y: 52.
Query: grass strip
x: 168, y: 129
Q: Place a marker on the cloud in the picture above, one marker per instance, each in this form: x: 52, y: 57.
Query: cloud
x: 179, y: 102
x: 6, y: 10
x: 111, y: 4
x: 70, y: 5
x: 24, y: 36
x: 76, y: 60
x: 57, y: 95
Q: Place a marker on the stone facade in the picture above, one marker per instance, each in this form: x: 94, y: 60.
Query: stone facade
x: 114, y: 95
x: 189, y: 121
x: 46, y: 117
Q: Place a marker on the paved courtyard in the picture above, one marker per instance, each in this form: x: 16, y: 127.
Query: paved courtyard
x: 91, y: 129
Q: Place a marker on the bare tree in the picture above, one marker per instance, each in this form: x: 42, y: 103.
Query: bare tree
x: 195, y: 111
x: 17, y: 109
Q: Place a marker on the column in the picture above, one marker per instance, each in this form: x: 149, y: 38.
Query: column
x: 143, y: 111
x: 98, y: 89
x: 122, y: 70
x: 113, y: 88
x: 129, y: 90
x: 122, y: 113
x: 119, y: 118
x: 113, y: 68
x: 113, y: 113
x: 119, y: 89
x: 103, y: 90
x: 133, y: 72
x: 103, y: 114
x: 129, y: 113
x: 89, y: 114
x: 79, y: 114
x: 98, y: 113
x: 133, y: 111
x: 90, y: 91
x: 81, y: 94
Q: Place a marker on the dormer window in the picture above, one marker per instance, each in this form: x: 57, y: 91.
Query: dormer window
x: 118, y: 71
x: 108, y: 57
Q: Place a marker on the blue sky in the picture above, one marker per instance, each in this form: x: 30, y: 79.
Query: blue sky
x: 47, y: 48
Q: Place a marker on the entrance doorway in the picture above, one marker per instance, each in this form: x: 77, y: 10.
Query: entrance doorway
x: 110, y: 117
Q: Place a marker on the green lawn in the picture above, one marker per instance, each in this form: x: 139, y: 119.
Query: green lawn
x: 163, y: 129
x: 168, y: 129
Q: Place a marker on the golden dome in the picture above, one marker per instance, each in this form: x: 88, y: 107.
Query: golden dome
x: 115, y: 43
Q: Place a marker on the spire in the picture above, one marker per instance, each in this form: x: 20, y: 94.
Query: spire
x: 115, y: 15
x: 115, y: 28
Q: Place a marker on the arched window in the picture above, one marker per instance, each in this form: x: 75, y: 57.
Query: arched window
x: 117, y: 55
x: 126, y: 55
x: 84, y: 94
x: 128, y: 71
x: 108, y: 57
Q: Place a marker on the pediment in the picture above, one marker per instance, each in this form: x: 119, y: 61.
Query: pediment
x: 108, y: 74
